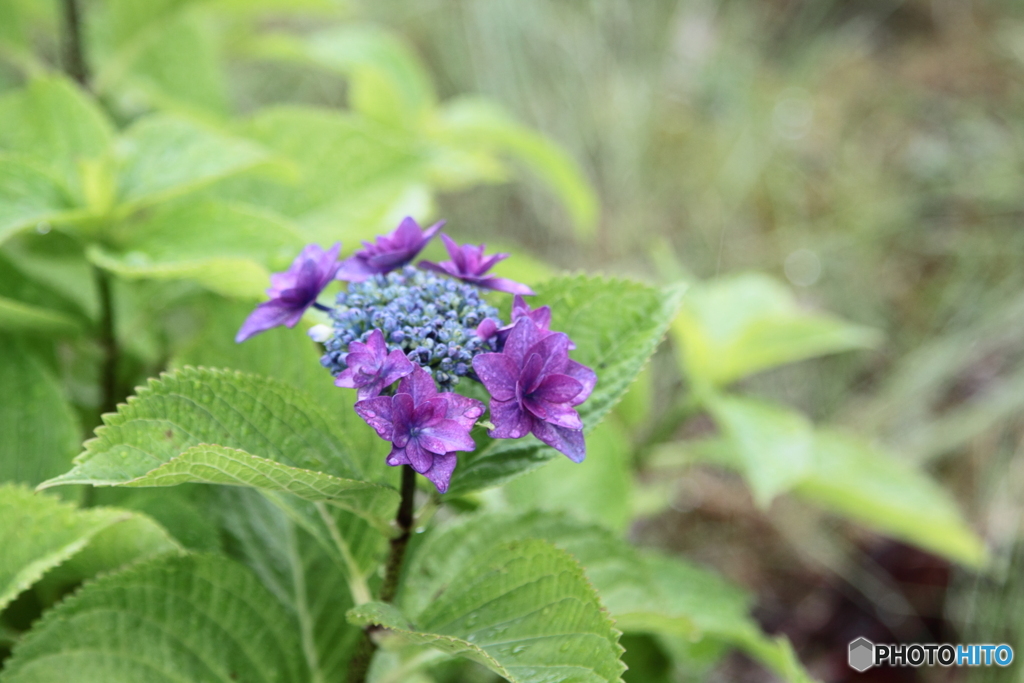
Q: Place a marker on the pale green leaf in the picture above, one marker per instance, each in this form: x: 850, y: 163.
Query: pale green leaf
x: 876, y: 489
x: 189, y: 618
x: 39, y: 532
x: 289, y: 442
x: 29, y: 196
x: 16, y: 316
x: 740, y: 325
x: 645, y: 592
x: 523, y: 609
x: 39, y: 431
x: 472, y: 124
x: 774, y: 444
x: 162, y: 156
x: 224, y: 247
x: 616, y: 325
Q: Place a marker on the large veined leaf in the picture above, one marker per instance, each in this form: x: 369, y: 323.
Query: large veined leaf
x: 58, y: 124
x: 775, y: 444
x: 302, y: 561
x: 616, y: 325
x: 164, y: 156
x: 29, y: 196
x: 39, y: 431
x: 524, y: 609
x: 224, y: 427
x: 188, y: 618
x: 744, y: 324
x: 40, y: 532
x: 224, y: 247
x: 645, y: 592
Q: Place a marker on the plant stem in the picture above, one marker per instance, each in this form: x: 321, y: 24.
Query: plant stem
x: 107, y: 339
x: 74, y: 57
x: 363, y: 655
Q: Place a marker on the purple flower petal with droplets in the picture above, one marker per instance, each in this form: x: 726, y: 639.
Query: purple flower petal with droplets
x: 293, y: 291
x: 585, y: 376
x: 389, y: 252
x: 498, y: 373
x: 469, y: 265
x: 541, y: 316
x: 567, y: 441
x: 371, y: 368
x: 424, y: 427
x: 510, y: 420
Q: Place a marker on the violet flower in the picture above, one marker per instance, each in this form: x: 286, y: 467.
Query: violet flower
x: 293, y: 291
x: 390, y: 251
x: 520, y: 309
x: 535, y: 387
x: 371, y: 368
x: 423, y: 426
x: 469, y: 265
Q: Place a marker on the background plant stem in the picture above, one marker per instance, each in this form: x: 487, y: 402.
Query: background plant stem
x: 74, y: 57
x: 360, y: 663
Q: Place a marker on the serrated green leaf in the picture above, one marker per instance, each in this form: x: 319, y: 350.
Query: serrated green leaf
x: 645, y: 592
x: 874, y: 488
x: 190, y: 618
x: 616, y: 325
x: 475, y: 124
x: 775, y: 444
x: 165, y: 433
x: 39, y: 532
x: 523, y: 609
x: 224, y: 247
x: 56, y: 123
x: 164, y: 156
x: 39, y: 431
x: 29, y: 196
x: 740, y: 325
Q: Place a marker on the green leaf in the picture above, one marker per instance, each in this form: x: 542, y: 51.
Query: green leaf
x: 183, y: 426
x: 523, y: 609
x: 190, y: 618
x: 164, y: 156
x: 774, y: 444
x: 16, y: 316
x: 56, y: 123
x: 29, y: 197
x: 857, y: 480
x: 39, y: 532
x: 616, y: 325
x: 645, y: 592
x: 224, y: 247
x: 740, y: 325
x: 599, y: 489
x: 39, y: 431
x: 475, y: 124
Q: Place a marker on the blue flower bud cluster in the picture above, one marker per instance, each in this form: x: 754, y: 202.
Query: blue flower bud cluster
x: 429, y: 317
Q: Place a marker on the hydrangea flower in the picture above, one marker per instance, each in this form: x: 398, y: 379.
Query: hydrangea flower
x: 371, y: 368
x: 534, y: 388
x: 430, y: 318
x: 492, y: 329
x: 469, y: 265
x: 390, y: 251
x: 425, y: 427
x: 293, y: 291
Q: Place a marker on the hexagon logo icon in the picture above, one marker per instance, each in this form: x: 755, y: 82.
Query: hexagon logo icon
x: 862, y: 655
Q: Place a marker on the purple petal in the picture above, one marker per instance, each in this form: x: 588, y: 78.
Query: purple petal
x: 567, y: 441
x: 420, y: 458
x: 430, y: 413
x: 524, y: 335
x: 487, y: 329
x: 402, y: 415
x: 585, y: 376
x: 531, y: 376
x: 498, y: 373
x: 501, y: 284
x: 462, y: 409
x: 419, y: 385
x: 379, y: 414
x: 455, y: 252
x: 510, y: 420
x: 558, y: 414
x: 346, y: 379
x: 440, y: 473
x: 355, y: 269
x: 396, y: 366
x: 444, y: 267
x: 554, y: 349
x: 558, y: 389
x: 375, y: 345
x: 397, y: 457
x: 268, y: 315
x: 444, y: 437
x: 371, y: 386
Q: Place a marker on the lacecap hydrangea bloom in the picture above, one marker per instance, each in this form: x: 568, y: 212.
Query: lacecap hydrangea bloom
x: 406, y: 337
